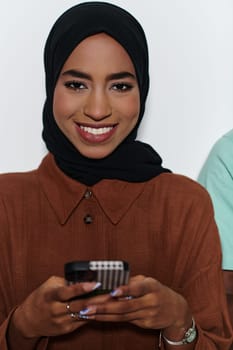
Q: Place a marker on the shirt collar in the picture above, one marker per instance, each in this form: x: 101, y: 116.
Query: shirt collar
x: 64, y: 194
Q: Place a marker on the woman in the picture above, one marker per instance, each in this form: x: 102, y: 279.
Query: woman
x: 99, y: 194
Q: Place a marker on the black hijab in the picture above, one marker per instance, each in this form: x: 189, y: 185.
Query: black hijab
x: 132, y: 160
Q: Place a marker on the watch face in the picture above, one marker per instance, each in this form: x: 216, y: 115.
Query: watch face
x: 190, y: 335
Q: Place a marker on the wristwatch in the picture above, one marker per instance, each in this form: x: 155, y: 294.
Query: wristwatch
x: 189, y: 336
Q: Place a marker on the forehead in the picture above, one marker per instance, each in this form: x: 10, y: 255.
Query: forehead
x: 100, y: 50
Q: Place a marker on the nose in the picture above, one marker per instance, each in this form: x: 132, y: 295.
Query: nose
x: 97, y: 106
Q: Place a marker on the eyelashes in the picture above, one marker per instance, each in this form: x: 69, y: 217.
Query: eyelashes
x: 122, y: 87
x: 78, y: 86
x: 75, y: 85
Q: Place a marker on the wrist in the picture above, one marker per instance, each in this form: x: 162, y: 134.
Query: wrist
x: 16, y: 340
x: 182, y: 321
x: 183, y: 335
x: 176, y: 332
x: 21, y: 324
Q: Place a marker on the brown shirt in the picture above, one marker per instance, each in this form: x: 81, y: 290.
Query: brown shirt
x: 163, y: 227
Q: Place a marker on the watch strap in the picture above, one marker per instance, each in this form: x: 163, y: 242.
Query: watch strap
x: 189, y: 336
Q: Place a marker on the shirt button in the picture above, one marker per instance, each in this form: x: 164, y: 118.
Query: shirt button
x: 88, y: 219
x: 87, y: 194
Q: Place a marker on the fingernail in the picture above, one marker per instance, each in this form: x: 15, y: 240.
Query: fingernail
x: 82, y: 317
x: 116, y: 293
x: 87, y: 310
x: 97, y: 285
x: 87, y: 286
x: 84, y: 311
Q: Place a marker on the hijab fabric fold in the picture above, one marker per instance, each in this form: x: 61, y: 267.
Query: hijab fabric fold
x: 132, y: 160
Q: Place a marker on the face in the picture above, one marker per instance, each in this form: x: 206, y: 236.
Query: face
x: 96, y: 99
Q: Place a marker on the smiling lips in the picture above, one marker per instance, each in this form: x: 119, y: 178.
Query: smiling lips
x: 95, y: 134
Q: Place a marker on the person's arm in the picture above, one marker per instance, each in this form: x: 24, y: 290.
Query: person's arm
x: 15, y: 340
x: 202, y: 286
x: 41, y: 314
x: 44, y: 314
x: 204, y: 290
x: 10, y: 338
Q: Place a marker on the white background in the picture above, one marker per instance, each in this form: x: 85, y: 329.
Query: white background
x: 190, y: 103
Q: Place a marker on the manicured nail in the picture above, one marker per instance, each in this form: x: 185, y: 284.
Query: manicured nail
x: 87, y: 311
x: 82, y: 317
x: 116, y: 293
x: 84, y: 311
x: 89, y: 286
x: 97, y: 285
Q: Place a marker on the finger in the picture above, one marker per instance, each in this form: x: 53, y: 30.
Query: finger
x: 136, y: 317
x: 137, y: 278
x: 75, y: 290
x: 118, y: 306
x: 67, y: 323
x: 69, y: 316
x: 72, y: 305
x: 61, y: 298
x: 50, y: 287
x: 137, y: 288
x: 82, y: 303
x: 141, y: 312
x: 74, y: 316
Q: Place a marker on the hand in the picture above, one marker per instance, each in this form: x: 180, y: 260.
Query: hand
x: 44, y: 312
x: 153, y: 306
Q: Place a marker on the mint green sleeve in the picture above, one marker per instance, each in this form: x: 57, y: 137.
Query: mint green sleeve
x: 217, y: 177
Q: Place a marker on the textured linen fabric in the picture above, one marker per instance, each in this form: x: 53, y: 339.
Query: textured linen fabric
x: 217, y: 177
x: 163, y: 227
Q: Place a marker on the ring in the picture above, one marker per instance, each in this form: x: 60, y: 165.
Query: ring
x: 70, y: 313
x: 77, y: 316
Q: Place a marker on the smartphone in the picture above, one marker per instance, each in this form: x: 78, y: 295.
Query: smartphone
x: 110, y: 273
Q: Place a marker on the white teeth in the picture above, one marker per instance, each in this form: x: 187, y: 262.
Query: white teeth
x: 95, y: 131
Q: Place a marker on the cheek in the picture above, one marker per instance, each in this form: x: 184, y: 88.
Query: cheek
x: 62, y: 105
x: 58, y: 104
x: 132, y: 108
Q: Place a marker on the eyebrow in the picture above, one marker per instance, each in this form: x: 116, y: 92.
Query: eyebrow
x: 114, y: 76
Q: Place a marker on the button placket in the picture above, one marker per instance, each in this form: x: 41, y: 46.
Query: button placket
x: 88, y: 219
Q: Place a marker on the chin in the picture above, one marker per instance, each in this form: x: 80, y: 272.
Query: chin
x: 97, y: 154
x: 95, y: 151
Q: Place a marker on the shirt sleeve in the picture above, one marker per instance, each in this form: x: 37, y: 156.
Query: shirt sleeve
x: 10, y: 338
x: 217, y: 177
x: 203, y: 285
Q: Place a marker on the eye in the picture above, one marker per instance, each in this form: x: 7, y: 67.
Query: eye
x: 75, y: 85
x: 122, y: 87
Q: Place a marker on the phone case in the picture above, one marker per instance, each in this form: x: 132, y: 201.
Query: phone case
x: 110, y: 273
